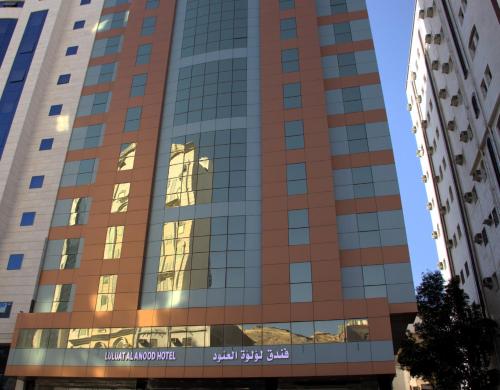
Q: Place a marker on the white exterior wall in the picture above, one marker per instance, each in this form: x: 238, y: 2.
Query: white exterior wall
x: 22, y: 159
x: 468, y: 216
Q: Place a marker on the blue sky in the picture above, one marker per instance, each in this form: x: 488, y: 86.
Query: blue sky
x: 391, y: 22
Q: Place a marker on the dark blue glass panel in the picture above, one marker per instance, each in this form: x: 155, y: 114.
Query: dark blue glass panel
x: 63, y: 79
x: 20, y: 68
x: 7, y: 27
x: 15, y: 261
x: 72, y: 50
x: 28, y: 218
x: 46, y: 144
x: 79, y: 24
x: 37, y: 181
x: 55, y: 109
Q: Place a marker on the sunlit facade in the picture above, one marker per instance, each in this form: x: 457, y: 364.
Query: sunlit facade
x: 203, y: 196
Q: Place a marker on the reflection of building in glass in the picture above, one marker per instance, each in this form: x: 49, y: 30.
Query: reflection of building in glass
x: 295, y: 333
x: 127, y: 156
x: 114, y: 240
x: 175, y: 256
x: 106, y: 293
x: 120, y: 198
x: 190, y: 176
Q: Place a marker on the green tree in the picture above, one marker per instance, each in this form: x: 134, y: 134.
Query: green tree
x: 452, y: 342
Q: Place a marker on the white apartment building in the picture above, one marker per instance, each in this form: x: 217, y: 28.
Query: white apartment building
x: 39, y: 41
x: 453, y: 97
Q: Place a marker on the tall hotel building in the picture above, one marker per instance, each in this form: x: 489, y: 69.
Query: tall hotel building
x: 197, y: 193
x: 453, y: 92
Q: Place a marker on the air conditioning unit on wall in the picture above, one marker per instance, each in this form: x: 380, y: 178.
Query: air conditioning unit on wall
x: 477, y: 175
x: 459, y: 159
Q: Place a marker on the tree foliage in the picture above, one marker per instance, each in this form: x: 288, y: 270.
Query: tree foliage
x: 452, y: 342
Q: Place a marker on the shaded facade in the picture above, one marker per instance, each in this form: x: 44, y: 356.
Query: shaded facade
x: 453, y: 95
x: 226, y: 206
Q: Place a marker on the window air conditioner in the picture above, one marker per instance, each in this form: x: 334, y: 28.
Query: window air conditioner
x: 437, y: 39
x: 430, y: 12
x: 488, y: 282
x: 488, y: 221
x: 478, y: 238
x: 419, y: 99
x: 464, y: 136
x: 451, y: 125
x: 424, y: 124
x: 435, y: 235
x: 477, y: 175
x: 455, y: 100
x: 442, y: 210
x: 443, y: 94
x: 421, y: 14
x: 414, y: 129
x: 428, y: 39
x: 469, y: 197
x: 445, y: 68
x: 424, y: 178
x: 459, y: 159
x: 435, y: 65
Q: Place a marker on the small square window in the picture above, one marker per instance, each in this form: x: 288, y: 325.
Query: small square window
x: 36, y: 182
x: 5, y: 308
x: 132, y: 119
x: 84, y: 2
x: 287, y: 4
x: 294, y: 134
x: 292, y: 96
x: 79, y: 24
x: 28, y: 218
x: 288, y: 28
x: 143, y: 55
x: 15, y: 261
x: 46, y: 144
x: 148, y: 25
x: 55, y: 109
x: 290, y: 60
x: 72, y: 50
x: 63, y: 79
x: 150, y: 4
x: 139, y: 82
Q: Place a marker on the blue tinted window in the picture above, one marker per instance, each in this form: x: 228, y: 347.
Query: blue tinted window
x: 72, y: 50
x: 17, y: 76
x: 7, y: 27
x: 83, y: 2
x: 63, y: 79
x: 79, y: 24
x: 15, y: 261
x: 5, y: 308
x: 46, y: 144
x: 28, y: 218
x: 55, y: 109
x: 36, y: 181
